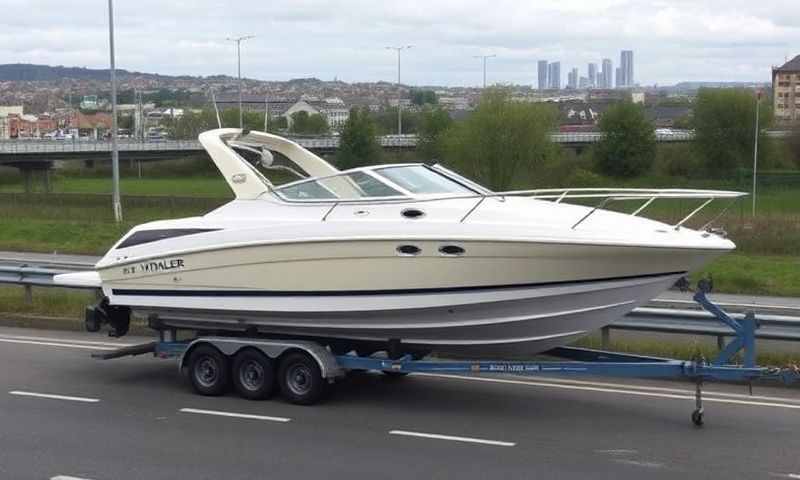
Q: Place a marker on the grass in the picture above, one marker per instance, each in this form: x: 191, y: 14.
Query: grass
x: 755, y: 274
x: 193, y: 186
x: 687, y: 349
x: 52, y: 302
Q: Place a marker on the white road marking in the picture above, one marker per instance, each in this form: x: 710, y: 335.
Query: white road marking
x: 621, y: 391
x: 669, y: 390
x: 785, y: 475
x: 452, y: 438
x: 55, y: 344
x: 66, y: 340
x: 54, y: 397
x: 618, y: 452
x: 639, y: 463
x: 67, y: 477
x: 236, y: 415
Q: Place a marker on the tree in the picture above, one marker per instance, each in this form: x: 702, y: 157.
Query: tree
x: 628, y: 146
x: 423, y: 97
x: 358, y: 144
x: 503, y: 141
x: 192, y: 124
x: 314, y: 124
x: 724, y: 121
x: 433, y: 124
x: 386, y: 121
x: 793, y: 146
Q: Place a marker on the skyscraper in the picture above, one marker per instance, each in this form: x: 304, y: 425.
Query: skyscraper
x: 554, y: 75
x: 542, y: 70
x: 608, y: 69
x: 618, y: 77
x: 626, y: 67
x: 572, y: 79
x: 592, y: 79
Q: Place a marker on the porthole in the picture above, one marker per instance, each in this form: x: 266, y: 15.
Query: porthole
x: 409, y: 250
x: 412, y: 213
x: 451, y: 250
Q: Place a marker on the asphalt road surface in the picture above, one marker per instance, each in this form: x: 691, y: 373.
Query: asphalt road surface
x: 64, y: 415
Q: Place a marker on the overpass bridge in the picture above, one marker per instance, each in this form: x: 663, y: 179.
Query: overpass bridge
x: 23, y: 153
x: 29, y: 155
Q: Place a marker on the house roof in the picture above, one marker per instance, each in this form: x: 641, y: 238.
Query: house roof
x: 792, y: 65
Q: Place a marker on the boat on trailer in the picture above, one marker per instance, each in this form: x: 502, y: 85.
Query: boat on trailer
x: 412, y: 256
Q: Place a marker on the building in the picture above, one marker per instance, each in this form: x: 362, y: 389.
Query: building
x: 592, y: 78
x: 618, y: 78
x: 332, y: 109
x: 626, y: 68
x: 786, y: 88
x: 5, y: 122
x: 572, y: 79
x: 607, y: 74
x: 554, y: 75
x: 542, y: 71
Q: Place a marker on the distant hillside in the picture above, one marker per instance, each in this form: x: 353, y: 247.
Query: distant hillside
x: 44, y: 73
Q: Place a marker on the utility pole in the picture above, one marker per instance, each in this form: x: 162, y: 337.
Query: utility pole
x: 399, y: 95
x: 755, y: 152
x: 484, y: 57
x: 238, y: 41
x: 115, y: 200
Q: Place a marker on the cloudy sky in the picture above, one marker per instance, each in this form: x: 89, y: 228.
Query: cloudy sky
x: 675, y: 40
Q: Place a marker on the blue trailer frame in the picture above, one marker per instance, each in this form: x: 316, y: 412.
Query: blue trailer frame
x: 580, y: 361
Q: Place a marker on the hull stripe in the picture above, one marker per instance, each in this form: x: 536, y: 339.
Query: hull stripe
x: 343, y: 293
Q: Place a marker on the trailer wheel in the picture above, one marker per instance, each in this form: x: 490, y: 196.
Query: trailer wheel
x: 253, y: 375
x: 209, y: 370
x: 300, y: 379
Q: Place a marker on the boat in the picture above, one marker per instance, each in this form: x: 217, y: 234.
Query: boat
x: 408, y: 258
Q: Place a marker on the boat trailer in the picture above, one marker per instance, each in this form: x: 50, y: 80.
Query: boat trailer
x: 303, y: 369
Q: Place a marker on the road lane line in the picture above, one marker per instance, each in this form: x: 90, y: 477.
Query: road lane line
x: 54, y: 397
x: 438, y: 436
x: 235, y: 415
x: 66, y: 340
x: 669, y: 390
x: 67, y: 477
x: 56, y: 344
x: 621, y: 391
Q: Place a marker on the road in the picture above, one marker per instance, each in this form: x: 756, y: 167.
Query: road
x: 136, y: 418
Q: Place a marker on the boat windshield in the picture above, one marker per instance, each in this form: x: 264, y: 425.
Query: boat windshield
x: 389, y: 182
x: 419, y: 179
x: 345, y: 186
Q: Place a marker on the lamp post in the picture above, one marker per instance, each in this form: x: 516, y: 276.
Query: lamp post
x: 239, y: 41
x: 484, y: 57
x: 115, y: 200
x: 399, y: 95
x: 755, y: 152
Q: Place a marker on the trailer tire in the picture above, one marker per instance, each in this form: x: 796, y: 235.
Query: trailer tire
x: 300, y: 379
x: 253, y: 374
x: 209, y: 371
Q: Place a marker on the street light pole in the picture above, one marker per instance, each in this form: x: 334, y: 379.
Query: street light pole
x: 399, y: 95
x: 755, y: 152
x: 484, y: 57
x: 238, y: 41
x: 115, y: 198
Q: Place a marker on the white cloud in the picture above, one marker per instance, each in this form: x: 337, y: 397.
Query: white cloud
x: 674, y: 40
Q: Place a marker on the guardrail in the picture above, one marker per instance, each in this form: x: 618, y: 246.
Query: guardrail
x: 644, y: 319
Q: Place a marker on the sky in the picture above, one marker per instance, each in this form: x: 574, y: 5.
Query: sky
x: 673, y: 41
